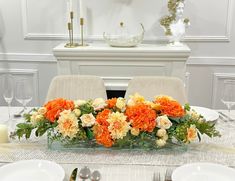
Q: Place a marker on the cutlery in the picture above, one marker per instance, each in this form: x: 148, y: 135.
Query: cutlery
x: 73, y: 175
x: 95, y: 176
x: 226, y: 116
x: 223, y: 116
x: 156, y: 176
x: 17, y: 115
x: 168, y: 174
x: 84, y: 173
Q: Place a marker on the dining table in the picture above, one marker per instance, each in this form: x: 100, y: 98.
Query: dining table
x: 116, y: 165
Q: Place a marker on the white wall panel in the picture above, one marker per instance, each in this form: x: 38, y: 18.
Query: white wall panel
x: 30, y: 29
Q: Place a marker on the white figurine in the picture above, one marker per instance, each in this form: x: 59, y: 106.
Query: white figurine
x: 178, y: 26
x: 174, y: 24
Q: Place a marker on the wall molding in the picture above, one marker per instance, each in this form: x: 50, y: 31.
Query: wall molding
x: 49, y: 58
x: 211, y: 61
x: 196, y: 38
x: 27, y: 57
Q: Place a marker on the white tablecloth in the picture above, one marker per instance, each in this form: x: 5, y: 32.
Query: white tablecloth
x: 127, y: 165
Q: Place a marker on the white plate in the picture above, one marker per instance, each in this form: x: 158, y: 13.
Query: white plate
x: 208, y: 114
x: 32, y: 170
x: 203, y: 172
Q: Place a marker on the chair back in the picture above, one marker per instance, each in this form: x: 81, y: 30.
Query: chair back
x: 150, y: 86
x: 75, y: 87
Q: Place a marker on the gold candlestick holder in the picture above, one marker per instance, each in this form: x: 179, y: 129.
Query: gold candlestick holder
x: 71, y: 43
x: 82, y: 43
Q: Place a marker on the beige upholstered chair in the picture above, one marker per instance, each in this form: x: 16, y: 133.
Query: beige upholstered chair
x: 150, y: 86
x: 76, y: 87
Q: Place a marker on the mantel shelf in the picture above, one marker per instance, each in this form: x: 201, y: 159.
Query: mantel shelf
x: 143, y: 50
x: 118, y: 65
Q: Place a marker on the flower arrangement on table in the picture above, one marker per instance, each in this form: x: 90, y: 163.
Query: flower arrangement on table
x: 135, y: 123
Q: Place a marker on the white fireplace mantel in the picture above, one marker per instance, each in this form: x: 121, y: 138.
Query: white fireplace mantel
x: 118, y: 65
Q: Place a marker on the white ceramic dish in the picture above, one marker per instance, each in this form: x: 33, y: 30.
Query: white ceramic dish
x: 203, y: 172
x: 32, y: 170
x: 208, y: 114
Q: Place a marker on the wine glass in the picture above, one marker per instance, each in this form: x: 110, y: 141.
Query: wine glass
x: 228, y: 95
x: 24, y: 92
x: 8, y: 91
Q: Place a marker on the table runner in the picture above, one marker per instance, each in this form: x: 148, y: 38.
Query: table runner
x: 219, y: 150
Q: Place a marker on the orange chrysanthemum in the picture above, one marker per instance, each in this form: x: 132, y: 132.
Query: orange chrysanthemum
x: 142, y: 117
x: 111, y: 102
x: 170, y: 107
x: 102, y: 135
x: 102, y: 117
x: 55, y: 107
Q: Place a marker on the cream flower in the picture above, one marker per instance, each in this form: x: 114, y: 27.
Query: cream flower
x: 79, y: 102
x: 88, y: 120
x: 165, y: 137
x: 135, y: 99
x: 99, y: 103
x: 194, y: 115
x: 162, y: 96
x: 68, y: 124
x: 77, y: 112
x: 191, y: 133
x: 163, y: 122
x: 35, y: 118
x: 160, y: 142
x: 135, y: 131
x: 65, y: 112
x: 121, y: 103
x: 118, y: 127
x: 161, y: 132
x: 153, y: 105
x: 42, y: 110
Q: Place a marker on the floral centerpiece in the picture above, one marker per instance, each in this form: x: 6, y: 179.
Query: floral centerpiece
x: 136, y: 123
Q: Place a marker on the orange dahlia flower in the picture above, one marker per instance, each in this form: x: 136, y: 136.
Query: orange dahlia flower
x: 102, y: 135
x: 102, y: 117
x: 111, y: 102
x: 170, y: 107
x: 142, y: 117
x: 55, y: 107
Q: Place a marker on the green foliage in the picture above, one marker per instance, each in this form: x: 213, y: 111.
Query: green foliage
x: 86, y: 108
x: 24, y: 129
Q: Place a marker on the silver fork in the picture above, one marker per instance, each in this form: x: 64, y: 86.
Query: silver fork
x: 168, y: 174
x: 156, y: 176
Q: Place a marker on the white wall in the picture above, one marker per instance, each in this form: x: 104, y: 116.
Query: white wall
x: 29, y: 29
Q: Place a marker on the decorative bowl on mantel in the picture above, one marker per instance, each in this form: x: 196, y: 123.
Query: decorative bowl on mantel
x: 122, y: 38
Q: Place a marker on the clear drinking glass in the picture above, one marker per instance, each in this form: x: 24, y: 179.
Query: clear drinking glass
x: 8, y: 91
x: 24, y: 92
x: 228, y: 95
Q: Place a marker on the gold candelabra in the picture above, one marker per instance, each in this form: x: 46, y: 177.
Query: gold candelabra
x: 82, y: 33
x: 71, y: 43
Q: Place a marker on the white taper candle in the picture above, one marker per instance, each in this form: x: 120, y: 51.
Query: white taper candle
x: 81, y: 8
x: 3, y: 133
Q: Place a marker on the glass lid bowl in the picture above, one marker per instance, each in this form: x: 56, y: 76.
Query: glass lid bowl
x: 122, y: 37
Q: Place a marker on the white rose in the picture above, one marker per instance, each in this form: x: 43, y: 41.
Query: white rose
x: 165, y: 137
x: 88, y: 120
x: 160, y: 142
x: 77, y: 112
x: 163, y: 122
x: 121, y: 103
x: 35, y: 118
x: 161, y: 132
x: 130, y: 102
x: 78, y: 103
x: 135, y: 131
x: 42, y: 110
x: 99, y: 103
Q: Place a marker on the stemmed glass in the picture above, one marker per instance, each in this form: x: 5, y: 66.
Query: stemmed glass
x: 228, y: 95
x: 24, y: 92
x: 8, y: 91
